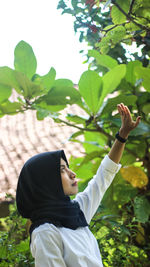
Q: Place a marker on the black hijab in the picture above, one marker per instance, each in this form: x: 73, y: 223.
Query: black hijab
x: 40, y: 196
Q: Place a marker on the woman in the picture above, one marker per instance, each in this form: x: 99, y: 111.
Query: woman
x: 60, y: 236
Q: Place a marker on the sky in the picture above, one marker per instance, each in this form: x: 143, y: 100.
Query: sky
x: 51, y: 35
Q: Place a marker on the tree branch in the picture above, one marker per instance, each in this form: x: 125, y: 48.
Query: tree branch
x: 130, y: 18
x: 98, y: 129
x: 131, y: 6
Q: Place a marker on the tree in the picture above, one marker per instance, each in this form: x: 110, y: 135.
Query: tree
x: 124, y: 213
x: 108, y: 26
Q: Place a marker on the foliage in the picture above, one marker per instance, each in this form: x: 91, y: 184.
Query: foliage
x: 14, y: 241
x: 48, y: 96
x: 109, y: 25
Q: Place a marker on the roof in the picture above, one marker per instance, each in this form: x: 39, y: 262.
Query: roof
x: 23, y: 136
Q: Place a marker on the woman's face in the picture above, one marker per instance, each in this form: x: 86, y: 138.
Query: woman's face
x: 69, y: 181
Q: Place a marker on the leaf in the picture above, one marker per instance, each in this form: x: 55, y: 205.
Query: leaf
x: 143, y: 73
x: 140, y: 237
x: 63, y: 83
x: 117, y: 16
x: 141, y: 129
x: 7, y: 77
x: 45, y: 107
x: 47, y: 80
x: 111, y: 80
x: 111, y: 103
x: 74, y: 135
x: 141, y: 209
x: 76, y: 119
x: 27, y: 88
x: 45, y: 111
x: 135, y: 176
x: 92, y: 155
x: 84, y: 172
x: 103, y: 60
x: 62, y: 96
x: 146, y: 108
x: 113, y: 36
x: 119, y: 193
x: 94, y: 141
x: 127, y: 158
x: 116, y: 34
x: 25, y: 60
x: 5, y: 92
x: 130, y: 73
x: 10, y: 108
x: 90, y: 85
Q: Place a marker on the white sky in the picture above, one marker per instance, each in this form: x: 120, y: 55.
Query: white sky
x: 50, y: 34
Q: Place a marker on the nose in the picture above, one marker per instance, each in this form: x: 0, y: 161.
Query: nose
x: 72, y: 174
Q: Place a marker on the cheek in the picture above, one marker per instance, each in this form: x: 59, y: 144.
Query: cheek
x: 65, y: 180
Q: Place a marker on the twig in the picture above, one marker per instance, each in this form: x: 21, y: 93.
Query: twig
x: 130, y: 18
x: 98, y: 129
x: 131, y: 6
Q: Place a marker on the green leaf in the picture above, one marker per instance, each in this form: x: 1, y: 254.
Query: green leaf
x: 141, y: 129
x: 111, y: 103
x: 92, y: 155
x: 63, y: 83
x: 94, y: 141
x: 7, y: 77
x: 130, y: 73
x: 10, y: 108
x: 41, y: 114
x: 25, y: 60
x: 45, y: 107
x: 143, y: 73
x: 116, y: 34
x: 146, y: 108
x: 127, y: 158
x: 111, y: 80
x: 141, y: 209
x: 76, y: 119
x: 27, y: 88
x: 103, y: 60
x: 46, y: 81
x: 117, y: 16
x: 120, y: 192
x: 5, y: 92
x: 62, y: 96
x: 90, y: 85
x: 45, y: 111
x: 83, y: 172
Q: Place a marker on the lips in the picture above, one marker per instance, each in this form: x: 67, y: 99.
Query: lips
x: 75, y: 183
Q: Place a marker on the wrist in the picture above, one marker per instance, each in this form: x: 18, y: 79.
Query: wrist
x: 123, y: 133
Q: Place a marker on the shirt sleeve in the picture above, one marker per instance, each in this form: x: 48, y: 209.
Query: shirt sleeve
x: 89, y: 200
x: 47, y: 249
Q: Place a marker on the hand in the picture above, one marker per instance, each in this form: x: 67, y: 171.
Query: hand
x: 127, y: 123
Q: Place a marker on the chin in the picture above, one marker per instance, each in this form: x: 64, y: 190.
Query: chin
x: 73, y: 193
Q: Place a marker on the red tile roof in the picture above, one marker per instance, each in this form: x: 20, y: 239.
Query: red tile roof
x: 23, y: 136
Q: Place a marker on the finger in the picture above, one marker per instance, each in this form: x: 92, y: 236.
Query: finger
x: 137, y: 121
x: 128, y: 112
x: 120, y: 109
x: 123, y: 107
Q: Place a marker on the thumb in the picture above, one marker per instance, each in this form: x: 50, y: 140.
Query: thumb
x: 137, y: 121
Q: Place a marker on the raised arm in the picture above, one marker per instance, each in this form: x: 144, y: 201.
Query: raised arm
x: 127, y: 126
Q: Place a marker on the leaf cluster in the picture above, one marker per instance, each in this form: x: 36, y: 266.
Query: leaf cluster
x: 108, y: 26
x: 14, y: 241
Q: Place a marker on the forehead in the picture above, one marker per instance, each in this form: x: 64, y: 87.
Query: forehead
x: 63, y: 162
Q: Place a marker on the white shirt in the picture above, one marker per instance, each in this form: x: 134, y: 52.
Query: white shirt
x: 53, y: 246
